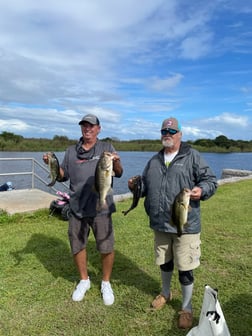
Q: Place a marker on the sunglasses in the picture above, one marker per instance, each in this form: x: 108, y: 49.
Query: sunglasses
x: 170, y: 131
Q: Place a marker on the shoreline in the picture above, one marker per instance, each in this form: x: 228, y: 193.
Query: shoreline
x: 30, y: 200
x: 228, y: 176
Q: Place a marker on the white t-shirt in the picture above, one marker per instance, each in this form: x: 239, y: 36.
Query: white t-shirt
x: 169, y: 157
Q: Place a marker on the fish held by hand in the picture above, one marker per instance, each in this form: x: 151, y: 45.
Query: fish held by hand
x: 103, y: 178
x: 180, y: 209
x: 137, y: 192
x: 54, y: 167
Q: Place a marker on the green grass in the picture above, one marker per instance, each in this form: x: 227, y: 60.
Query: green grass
x: 38, y: 274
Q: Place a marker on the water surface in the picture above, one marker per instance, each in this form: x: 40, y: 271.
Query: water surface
x: 133, y: 164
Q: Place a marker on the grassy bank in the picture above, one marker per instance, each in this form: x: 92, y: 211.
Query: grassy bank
x: 38, y: 276
x: 16, y: 143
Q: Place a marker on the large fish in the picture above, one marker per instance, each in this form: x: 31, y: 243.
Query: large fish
x: 103, y: 178
x: 137, y: 191
x: 54, y: 167
x: 180, y: 209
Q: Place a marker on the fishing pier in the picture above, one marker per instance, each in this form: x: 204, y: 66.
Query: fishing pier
x: 29, y: 199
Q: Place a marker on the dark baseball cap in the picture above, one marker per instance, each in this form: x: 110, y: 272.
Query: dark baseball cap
x: 91, y: 119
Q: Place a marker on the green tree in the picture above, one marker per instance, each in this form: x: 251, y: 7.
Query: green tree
x: 8, y: 136
x: 223, y: 141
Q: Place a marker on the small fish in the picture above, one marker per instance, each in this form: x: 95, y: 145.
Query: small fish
x: 53, y: 164
x: 103, y: 178
x: 137, y: 191
x: 180, y: 209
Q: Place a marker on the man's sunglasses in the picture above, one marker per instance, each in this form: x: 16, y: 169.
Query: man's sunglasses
x: 170, y: 131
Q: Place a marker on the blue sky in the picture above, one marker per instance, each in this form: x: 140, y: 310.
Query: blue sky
x: 132, y: 63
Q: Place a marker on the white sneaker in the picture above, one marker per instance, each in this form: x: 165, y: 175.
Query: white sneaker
x: 107, y: 293
x: 81, y: 289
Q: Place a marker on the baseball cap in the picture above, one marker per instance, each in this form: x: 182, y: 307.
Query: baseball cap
x: 171, y: 123
x: 91, y: 119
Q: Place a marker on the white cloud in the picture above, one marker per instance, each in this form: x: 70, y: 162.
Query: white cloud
x: 106, y: 115
x: 192, y: 133
x: 166, y: 84
x: 231, y: 125
x: 13, y: 125
x: 62, y: 59
x: 246, y: 90
x: 228, y: 119
x: 196, y: 46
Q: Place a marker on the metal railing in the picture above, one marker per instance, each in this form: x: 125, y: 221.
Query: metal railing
x: 34, y: 164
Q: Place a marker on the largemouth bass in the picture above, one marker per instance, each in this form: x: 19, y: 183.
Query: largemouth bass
x: 180, y: 209
x: 137, y: 191
x: 54, y: 167
x: 103, y: 178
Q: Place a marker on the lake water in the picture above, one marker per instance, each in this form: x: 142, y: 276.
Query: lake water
x: 133, y: 164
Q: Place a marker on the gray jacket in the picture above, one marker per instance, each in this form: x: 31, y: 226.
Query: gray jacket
x: 161, y: 184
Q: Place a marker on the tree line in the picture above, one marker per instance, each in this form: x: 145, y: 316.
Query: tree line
x: 221, y: 144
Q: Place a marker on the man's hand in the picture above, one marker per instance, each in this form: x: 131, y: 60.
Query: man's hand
x: 196, y: 193
x: 117, y: 167
x: 45, y: 158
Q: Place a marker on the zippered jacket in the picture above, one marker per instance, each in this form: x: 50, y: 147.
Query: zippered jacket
x: 161, y: 184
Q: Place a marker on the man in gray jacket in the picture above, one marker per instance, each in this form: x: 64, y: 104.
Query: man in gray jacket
x: 175, y: 167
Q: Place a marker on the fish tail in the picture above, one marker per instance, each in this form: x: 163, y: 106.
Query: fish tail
x: 125, y: 212
x: 101, y: 205
x: 179, y: 233
x: 179, y: 230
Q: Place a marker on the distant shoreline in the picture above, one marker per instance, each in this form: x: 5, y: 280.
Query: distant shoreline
x: 229, y: 176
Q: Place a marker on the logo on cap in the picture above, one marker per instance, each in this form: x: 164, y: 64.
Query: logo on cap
x: 169, y: 123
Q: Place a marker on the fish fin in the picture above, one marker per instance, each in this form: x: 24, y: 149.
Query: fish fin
x: 51, y: 183
x: 189, y: 208
x: 108, y: 173
x: 94, y: 189
x: 173, y: 218
x: 109, y: 192
x: 125, y: 212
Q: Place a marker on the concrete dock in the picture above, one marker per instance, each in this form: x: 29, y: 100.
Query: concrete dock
x: 25, y: 200
x: 30, y: 200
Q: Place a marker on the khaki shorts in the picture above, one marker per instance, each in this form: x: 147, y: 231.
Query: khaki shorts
x: 78, y: 232
x: 185, y: 250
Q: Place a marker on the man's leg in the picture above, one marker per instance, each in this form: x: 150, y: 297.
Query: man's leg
x: 81, y: 263
x: 186, y: 280
x: 106, y: 289
x: 107, y: 265
x: 78, y: 243
x: 80, y: 259
x: 104, y: 234
x: 187, y: 258
x: 185, y: 315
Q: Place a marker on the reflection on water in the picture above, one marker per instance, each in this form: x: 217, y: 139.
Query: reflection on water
x: 133, y: 164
